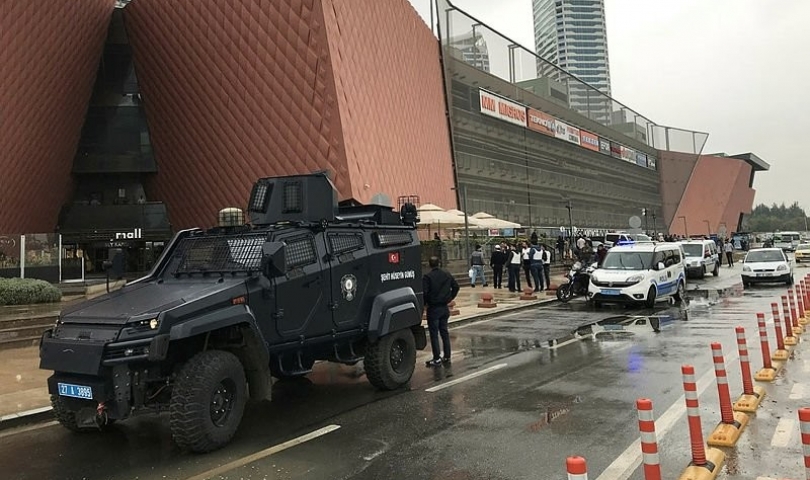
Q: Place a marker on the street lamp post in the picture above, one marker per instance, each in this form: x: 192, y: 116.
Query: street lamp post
x: 466, y: 221
x: 685, y: 229
x: 570, y: 219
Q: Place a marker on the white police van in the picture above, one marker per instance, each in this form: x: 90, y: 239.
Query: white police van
x: 640, y: 273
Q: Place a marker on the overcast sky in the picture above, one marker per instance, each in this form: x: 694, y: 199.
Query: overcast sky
x: 737, y: 69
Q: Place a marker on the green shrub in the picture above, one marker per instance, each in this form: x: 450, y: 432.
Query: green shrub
x: 23, y: 291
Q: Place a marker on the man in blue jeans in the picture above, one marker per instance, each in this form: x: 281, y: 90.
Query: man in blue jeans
x: 477, y: 264
x: 439, y: 288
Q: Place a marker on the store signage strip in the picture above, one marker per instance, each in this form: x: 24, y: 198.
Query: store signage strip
x: 503, y: 109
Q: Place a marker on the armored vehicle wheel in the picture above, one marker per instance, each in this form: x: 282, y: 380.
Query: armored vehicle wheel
x: 208, y: 400
x: 390, y: 361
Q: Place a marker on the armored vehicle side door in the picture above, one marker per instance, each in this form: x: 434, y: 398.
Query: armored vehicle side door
x: 349, y: 277
x: 301, y: 300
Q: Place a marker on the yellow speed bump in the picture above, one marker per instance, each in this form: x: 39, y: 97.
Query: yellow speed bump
x: 714, y: 463
x: 791, y: 341
x: 750, y: 403
x: 781, y: 355
x: 727, y: 434
x: 769, y: 374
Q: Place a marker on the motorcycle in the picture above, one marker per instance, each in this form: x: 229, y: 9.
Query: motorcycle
x: 579, y: 277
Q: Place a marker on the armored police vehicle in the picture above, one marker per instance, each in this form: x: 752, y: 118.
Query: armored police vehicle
x: 224, y: 309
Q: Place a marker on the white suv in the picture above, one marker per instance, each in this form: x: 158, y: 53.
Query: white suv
x: 640, y: 273
x: 767, y: 265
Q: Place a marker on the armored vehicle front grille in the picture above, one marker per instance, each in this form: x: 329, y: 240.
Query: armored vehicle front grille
x: 220, y: 254
x: 393, y: 238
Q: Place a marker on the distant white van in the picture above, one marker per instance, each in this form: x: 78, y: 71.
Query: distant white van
x: 639, y: 273
x: 701, y: 257
x: 787, y: 241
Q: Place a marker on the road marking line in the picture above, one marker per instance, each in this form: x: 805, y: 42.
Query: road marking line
x: 26, y: 413
x: 630, y: 459
x: 265, y: 453
x: 797, y: 392
x: 29, y: 428
x: 784, y: 433
x: 466, y: 377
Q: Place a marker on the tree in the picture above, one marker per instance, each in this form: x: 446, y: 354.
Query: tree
x: 775, y: 218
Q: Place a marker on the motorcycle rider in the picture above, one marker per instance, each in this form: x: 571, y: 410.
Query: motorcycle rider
x: 601, y: 253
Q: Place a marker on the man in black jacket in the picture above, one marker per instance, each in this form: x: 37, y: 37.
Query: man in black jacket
x: 497, y: 260
x: 439, y: 288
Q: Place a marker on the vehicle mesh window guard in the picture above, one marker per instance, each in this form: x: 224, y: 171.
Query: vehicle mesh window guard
x: 393, y: 238
x: 220, y: 254
x: 343, y: 243
x: 300, y: 252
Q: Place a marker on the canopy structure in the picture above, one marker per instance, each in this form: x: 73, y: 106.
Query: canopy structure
x: 485, y: 220
x: 472, y: 222
x: 430, y: 214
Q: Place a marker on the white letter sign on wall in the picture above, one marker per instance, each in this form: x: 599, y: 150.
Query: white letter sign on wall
x: 502, y: 109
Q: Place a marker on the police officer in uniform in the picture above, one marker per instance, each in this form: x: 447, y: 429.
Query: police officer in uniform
x: 439, y: 289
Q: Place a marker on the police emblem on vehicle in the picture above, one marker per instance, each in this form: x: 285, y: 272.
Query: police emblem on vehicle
x: 348, y: 285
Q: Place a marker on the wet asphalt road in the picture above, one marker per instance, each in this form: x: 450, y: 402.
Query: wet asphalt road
x: 534, y: 403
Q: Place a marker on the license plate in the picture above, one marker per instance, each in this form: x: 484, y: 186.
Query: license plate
x: 75, y: 391
x: 610, y: 292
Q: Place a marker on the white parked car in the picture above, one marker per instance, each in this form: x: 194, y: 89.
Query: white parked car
x: 767, y: 265
x: 639, y: 273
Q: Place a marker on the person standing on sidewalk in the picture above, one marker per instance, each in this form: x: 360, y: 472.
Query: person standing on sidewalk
x: 477, y: 264
x: 729, y: 249
x: 513, y: 268
x: 536, y: 265
x: 546, y: 265
x: 438, y: 288
x: 527, y: 263
x: 497, y: 261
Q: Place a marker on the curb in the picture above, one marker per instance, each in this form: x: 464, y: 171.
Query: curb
x: 27, y: 417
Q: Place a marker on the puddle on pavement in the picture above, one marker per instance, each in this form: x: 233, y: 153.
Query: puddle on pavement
x: 617, y: 322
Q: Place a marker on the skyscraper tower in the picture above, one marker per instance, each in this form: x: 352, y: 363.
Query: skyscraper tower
x: 572, y: 35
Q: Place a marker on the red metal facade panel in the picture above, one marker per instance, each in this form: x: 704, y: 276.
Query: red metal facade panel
x: 717, y: 192
x: 391, y: 99
x: 233, y: 91
x: 674, y: 170
x: 49, y: 55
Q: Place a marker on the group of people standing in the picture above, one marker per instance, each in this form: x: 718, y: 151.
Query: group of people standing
x: 533, y: 259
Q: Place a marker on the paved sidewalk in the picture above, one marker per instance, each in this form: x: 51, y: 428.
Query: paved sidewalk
x: 23, y: 391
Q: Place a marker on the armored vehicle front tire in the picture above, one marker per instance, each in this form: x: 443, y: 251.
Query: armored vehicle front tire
x: 390, y: 361
x: 208, y: 400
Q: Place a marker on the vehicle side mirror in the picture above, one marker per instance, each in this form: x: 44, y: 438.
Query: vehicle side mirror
x: 660, y: 266
x: 274, y: 262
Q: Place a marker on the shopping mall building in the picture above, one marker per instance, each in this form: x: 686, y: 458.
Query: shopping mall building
x: 126, y: 121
